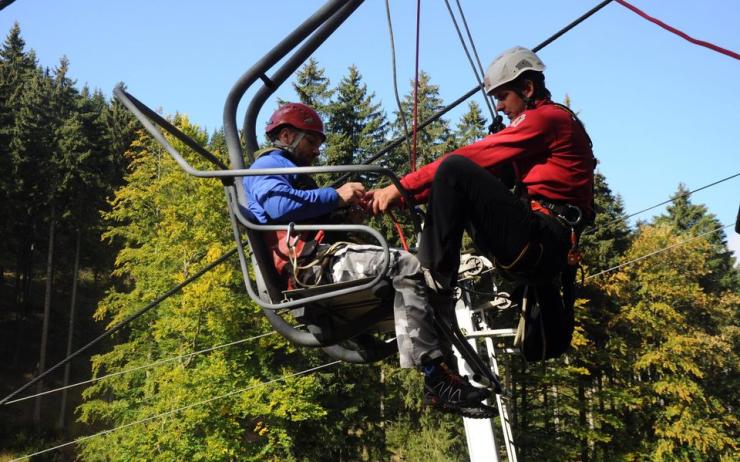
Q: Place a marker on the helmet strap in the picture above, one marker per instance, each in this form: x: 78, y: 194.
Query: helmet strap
x: 296, y: 141
x: 291, y: 147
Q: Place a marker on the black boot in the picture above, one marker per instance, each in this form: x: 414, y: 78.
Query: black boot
x: 444, y: 387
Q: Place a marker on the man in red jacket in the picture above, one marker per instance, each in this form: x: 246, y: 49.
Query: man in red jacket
x: 545, y: 147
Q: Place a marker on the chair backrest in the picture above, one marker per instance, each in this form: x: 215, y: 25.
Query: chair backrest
x: 268, y: 281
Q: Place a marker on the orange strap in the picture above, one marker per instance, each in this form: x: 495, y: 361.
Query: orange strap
x: 399, y: 230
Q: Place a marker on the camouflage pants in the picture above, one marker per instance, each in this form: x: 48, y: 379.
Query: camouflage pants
x: 414, y: 318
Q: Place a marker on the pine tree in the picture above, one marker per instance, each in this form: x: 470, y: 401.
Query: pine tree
x: 60, y: 168
x: 313, y: 87
x: 434, y: 140
x: 356, y: 126
x: 604, y: 244
x: 694, y: 219
x: 16, y: 67
x: 87, y: 164
x: 472, y: 126
x: 31, y: 143
x: 120, y: 131
x: 606, y: 240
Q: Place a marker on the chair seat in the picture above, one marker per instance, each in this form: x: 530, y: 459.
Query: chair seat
x: 380, y: 292
x: 373, y: 306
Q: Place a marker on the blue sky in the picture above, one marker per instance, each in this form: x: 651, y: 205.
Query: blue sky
x: 659, y: 109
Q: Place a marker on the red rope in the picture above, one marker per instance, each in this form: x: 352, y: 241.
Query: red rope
x: 399, y: 230
x: 416, y: 86
x: 665, y: 26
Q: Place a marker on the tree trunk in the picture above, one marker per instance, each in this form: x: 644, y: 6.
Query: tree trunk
x: 600, y: 392
x: 47, y: 315
x: 71, y: 330
x: 555, y: 409
x: 20, y: 266
x: 28, y: 270
x: 524, y: 414
x: 582, y: 419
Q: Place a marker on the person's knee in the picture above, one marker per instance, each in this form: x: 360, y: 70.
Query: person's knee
x: 461, y: 172
x: 408, y: 264
x: 453, y: 166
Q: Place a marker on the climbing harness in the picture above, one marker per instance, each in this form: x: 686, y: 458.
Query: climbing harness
x: 570, y: 216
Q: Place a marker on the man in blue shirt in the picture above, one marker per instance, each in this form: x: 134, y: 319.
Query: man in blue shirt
x: 297, y: 132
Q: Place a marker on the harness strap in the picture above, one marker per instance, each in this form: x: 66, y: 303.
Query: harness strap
x: 520, y: 258
x: 571, y: 217
x: 320, y: 259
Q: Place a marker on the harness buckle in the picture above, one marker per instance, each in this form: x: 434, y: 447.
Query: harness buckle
x: 572, y: 215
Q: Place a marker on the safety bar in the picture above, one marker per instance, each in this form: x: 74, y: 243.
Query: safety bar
x: 144, y: 114
x: 235, y: 213
x: 491, y: 333
x: 150, y: 120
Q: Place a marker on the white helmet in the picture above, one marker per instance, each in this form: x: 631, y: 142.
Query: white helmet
x: 509, y: 65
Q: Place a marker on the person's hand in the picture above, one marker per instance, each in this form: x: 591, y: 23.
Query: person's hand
x: 350, y: 193
x: 383, y: 199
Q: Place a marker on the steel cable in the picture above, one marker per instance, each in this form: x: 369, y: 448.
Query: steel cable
x: 678, y: 244
x: 478, y: 78
x: 142, y: 367
x: 123, y: 323
x: 680, y: 196
x: 176, y: 410
x: 401, y: 112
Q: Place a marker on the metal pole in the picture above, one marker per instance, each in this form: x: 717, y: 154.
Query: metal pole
x: 479, y: 433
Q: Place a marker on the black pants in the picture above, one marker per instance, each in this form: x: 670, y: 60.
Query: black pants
x: 467, y: 196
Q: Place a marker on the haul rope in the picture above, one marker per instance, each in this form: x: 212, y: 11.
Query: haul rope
x: 684, y: 35
x: 414, y: 127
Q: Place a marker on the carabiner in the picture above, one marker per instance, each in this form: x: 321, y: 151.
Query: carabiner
x: 288, y: 243
x: 567, y: 216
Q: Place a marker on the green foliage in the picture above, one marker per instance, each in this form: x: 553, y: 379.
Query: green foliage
x: 312, y: 87
x: 671, y: 336
x: 431, y: 143
x: 56, y: 170
x: 16, y: 65
x: 693, y: 219
x: 653, y: 367
x: 415, y: 433
x: 169, y: 226
x: 356, y: 125
x: 434, y: 140
x: 472, y: 126
x: 609, y: 236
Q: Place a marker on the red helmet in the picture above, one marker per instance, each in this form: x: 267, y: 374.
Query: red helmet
x: 296, y: 115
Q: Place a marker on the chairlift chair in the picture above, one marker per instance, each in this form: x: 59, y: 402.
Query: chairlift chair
x: 350, y: 321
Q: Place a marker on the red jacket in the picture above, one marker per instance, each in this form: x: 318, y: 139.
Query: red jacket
x: 548, y: 149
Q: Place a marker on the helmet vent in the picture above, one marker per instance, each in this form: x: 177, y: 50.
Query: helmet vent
x: 524, y: 64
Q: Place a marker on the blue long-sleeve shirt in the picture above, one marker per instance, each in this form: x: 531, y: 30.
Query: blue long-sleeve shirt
x: 274, y: 199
